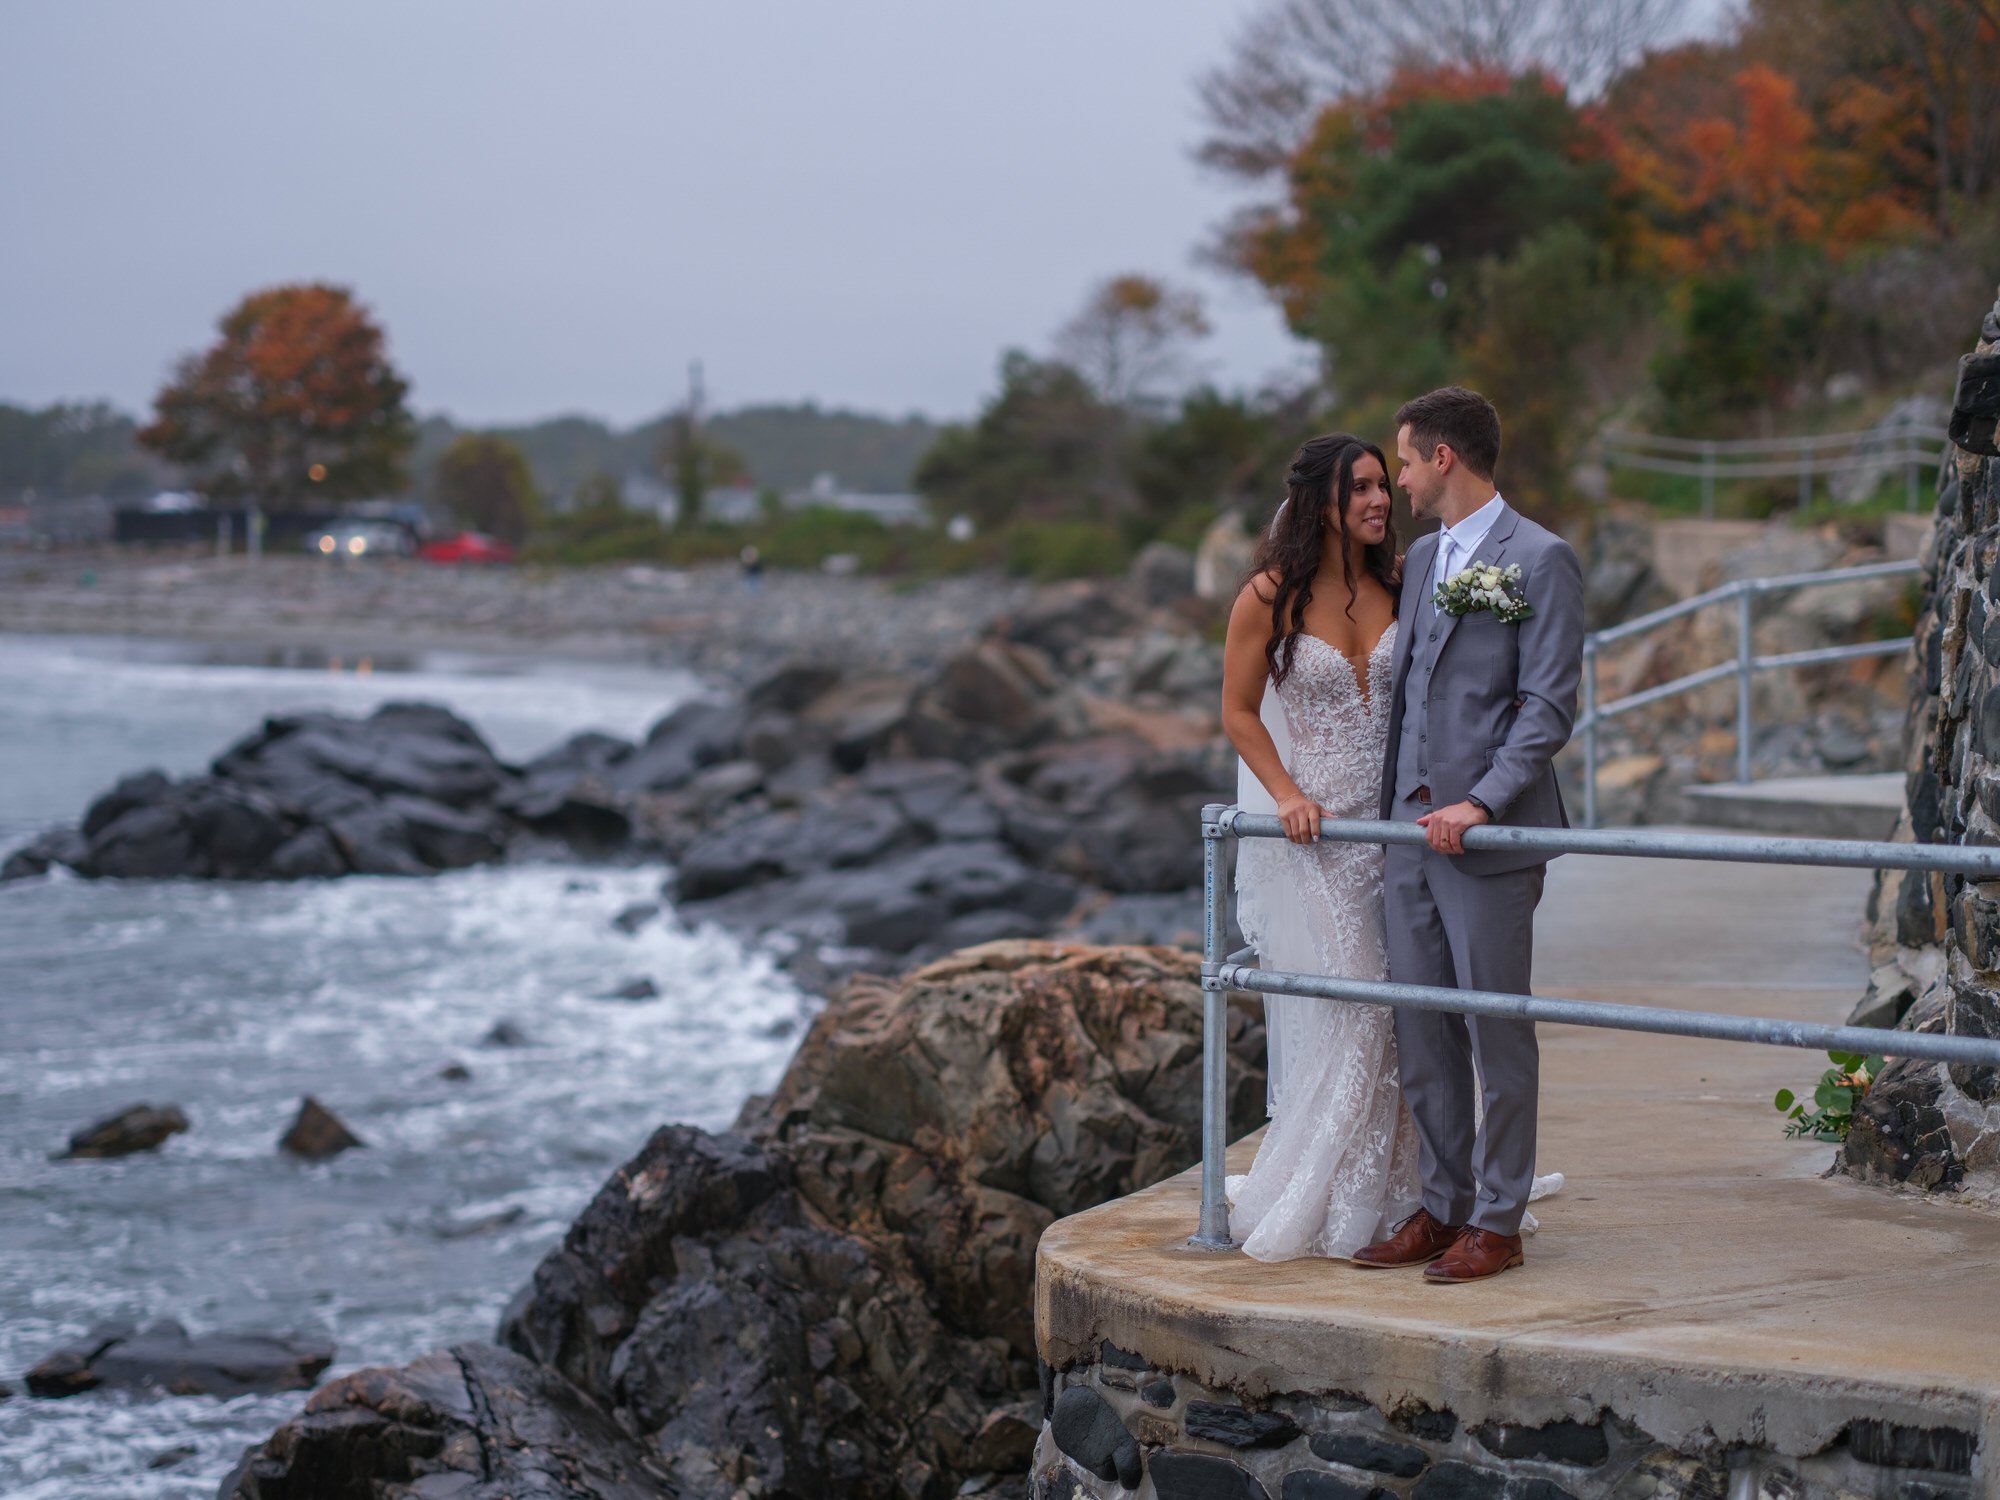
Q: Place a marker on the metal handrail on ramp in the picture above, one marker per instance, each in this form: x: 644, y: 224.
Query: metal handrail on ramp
x: 1744, y: 668
x: 1223, y: 972
x: 1710, y: 459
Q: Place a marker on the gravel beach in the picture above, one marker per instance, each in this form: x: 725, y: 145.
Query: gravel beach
x: 707, y: 619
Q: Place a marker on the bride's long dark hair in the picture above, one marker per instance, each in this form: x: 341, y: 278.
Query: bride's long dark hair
x: 1322, y: 470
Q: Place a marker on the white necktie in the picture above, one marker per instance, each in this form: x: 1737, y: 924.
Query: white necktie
x: 1447, y: 545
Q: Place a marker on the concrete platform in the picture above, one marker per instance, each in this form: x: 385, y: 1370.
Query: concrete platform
x: 1824, y: 807
x: 1697, y: 1276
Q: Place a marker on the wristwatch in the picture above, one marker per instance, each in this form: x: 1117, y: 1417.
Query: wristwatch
x: 1478, y: 804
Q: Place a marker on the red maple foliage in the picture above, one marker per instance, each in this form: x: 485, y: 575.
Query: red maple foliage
x: 295, y: 403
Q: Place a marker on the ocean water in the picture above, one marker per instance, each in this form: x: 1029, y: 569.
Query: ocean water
x: 234, y: 1002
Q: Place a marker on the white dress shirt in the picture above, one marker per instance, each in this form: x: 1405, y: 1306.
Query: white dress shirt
x: 1456, y: 544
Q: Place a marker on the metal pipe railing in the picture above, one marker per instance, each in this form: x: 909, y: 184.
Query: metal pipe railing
x: 1823, y: 442
x: 1224, y: 972
x: 1982, y: 863
x: 1745, y: 592
x: 1710, y: 1025
x: 1710, y: 459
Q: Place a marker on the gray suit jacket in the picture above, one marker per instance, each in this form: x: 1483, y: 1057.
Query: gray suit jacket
x: 1502, y: 697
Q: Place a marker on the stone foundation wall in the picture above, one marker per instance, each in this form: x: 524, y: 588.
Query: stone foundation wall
x: 1936, y: 939
x: 1117, y: 1429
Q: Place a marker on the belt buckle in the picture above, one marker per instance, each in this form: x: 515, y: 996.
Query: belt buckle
x: 1423, y: 795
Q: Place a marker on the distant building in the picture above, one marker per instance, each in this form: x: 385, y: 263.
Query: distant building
x: 732, y: 504
x: 891, y: 509
x: 742, y: 504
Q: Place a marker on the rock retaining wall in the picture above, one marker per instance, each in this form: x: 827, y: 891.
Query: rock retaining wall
x: 1936, y: 939
x: 1117, y: 1429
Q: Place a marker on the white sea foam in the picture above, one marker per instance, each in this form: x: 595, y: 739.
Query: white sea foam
x: 234, y: 1001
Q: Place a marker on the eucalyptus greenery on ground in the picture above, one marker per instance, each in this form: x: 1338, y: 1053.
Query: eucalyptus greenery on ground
x: 1841, y: 1089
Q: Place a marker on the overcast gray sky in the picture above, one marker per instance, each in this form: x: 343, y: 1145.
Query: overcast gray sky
x: 554, y: 207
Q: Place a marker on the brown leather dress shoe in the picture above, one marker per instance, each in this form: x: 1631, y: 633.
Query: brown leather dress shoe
x: 1476, y: 1254
x: 1417, y: 1239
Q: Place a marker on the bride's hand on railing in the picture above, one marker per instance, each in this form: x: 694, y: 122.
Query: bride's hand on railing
x: 1300, y: 815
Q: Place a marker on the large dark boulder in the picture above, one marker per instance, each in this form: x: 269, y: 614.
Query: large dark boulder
x: 832, y: 1301
x: 416, y: 748
x: 152, y: 841
x: 472, y: 1422
x: 894, y: 904
x: 409, y: 790
x: 1062, y: 621
x: 55, y: 846
x: 129, y: 795
x: 697, y: 734
x: 1111, y: 810
x: 941, y: 798
x: 566, y: 793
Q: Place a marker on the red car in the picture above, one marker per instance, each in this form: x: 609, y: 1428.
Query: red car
x: 467, y: 547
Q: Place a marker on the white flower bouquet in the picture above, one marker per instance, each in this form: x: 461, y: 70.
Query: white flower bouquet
x: 1485, y: 586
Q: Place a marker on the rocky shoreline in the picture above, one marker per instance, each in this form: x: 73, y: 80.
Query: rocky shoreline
x: 1044, y: 777
x: 832, y: 1300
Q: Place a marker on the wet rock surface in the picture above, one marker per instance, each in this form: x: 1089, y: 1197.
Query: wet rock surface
x: 143, y: 1127
x: 163, y: 1356
x: 317, y: 1133
x: 832, y: 1299
x: 473, y: 1422
x: 858, y: 813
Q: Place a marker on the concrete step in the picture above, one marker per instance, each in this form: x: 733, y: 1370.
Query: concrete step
x: 1826, y: 807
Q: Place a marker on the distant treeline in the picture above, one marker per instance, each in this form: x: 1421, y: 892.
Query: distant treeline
x: 74, y: 449
x: 77, y: 449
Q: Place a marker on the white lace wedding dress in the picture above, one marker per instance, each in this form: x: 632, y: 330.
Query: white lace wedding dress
x: 1338, y: 1163
x: 1337, y: 1168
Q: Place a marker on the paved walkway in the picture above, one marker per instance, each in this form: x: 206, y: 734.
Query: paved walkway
x: 1697, y: 1275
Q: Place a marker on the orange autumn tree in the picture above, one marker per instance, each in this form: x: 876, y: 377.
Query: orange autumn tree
x: 1457, y: 225
x: 295, y: 403
x: 1729, y: 168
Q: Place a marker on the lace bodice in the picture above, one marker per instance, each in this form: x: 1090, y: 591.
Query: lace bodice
x: 1339, y: 723
x: 1339, y: 1159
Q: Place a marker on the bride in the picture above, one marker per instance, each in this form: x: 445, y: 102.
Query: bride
x: 1311, y: 640
x: 1317, y: 624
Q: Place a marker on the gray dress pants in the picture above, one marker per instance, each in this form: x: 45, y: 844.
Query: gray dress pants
x: 1469, y: 932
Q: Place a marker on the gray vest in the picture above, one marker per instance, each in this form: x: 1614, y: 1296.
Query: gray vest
x: 1413, y: 743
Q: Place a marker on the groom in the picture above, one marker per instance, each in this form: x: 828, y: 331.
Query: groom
x: 1484, y: 693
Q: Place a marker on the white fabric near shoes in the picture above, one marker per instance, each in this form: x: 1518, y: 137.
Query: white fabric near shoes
x: 1339, y: 1159
x: 1337, y: 1168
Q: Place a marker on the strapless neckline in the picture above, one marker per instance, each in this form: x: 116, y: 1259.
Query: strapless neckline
x: 1364, y: 682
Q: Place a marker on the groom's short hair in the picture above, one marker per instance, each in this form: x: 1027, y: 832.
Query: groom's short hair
x: 1463, y: 420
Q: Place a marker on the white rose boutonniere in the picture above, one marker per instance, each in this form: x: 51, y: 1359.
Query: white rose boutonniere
x: 1485, y: 586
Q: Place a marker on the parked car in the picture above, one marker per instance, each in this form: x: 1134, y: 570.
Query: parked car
x: 467, y: 547
x: 351, y: 539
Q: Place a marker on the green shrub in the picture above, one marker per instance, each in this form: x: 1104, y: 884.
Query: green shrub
x: 1048, y: 550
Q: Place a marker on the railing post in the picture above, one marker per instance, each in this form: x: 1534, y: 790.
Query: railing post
x: 1708, y: 479
x: 1745, y: 656
x: 1590, y: 731
x: 1910, y: 484
x: 1805, y: 477
x: 1214, y: 1231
